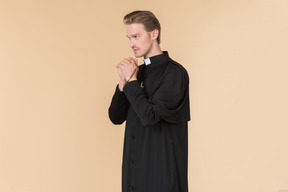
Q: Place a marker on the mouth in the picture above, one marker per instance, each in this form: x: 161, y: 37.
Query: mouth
x: 135, y: 50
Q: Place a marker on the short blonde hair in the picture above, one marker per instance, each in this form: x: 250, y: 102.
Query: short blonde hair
x: 147, y: 18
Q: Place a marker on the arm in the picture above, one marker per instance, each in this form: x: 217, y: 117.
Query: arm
x: 119, y: 107
x: 170, y: 102
x: 127, y: 70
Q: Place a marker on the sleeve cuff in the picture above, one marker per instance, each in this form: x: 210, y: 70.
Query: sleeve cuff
x: 129, y: 85
x: 119, y: 93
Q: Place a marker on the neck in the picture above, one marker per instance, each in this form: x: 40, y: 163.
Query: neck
x: 155, y: 50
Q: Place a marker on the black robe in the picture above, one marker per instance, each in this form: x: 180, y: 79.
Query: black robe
x: 155, y: 152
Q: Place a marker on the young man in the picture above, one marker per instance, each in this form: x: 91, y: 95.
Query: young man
x: 154, y: 102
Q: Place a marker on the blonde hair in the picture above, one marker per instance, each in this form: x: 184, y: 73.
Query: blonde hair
x: 147, y: 18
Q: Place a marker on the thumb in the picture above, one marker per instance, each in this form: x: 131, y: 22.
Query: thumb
x: 135, y: 61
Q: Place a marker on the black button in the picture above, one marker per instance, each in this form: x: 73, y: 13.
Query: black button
x: 132, y: 161
x: 132, y: 137
x: 131, y: 187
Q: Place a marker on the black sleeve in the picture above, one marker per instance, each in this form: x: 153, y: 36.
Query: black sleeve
x: 169, y: 103
x: 119, y: 107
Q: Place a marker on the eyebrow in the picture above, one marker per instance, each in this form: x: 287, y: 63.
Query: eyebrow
x: 137, y: 34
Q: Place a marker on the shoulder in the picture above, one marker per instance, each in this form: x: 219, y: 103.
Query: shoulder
x: 176, y: 76
x: 175, y: 68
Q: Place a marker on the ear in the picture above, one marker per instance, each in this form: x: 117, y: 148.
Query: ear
x: 154, y: 34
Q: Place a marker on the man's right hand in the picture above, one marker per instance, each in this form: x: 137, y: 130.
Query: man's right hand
x: 122, y: 80
x: 129, y: 65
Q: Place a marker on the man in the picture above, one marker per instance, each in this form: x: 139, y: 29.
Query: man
x: 154, y: 102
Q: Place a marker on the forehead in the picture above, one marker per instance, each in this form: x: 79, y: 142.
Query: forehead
x: 135, y: 28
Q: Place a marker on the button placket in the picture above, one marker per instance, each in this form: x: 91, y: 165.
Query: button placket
x: 132, y: 161
x: 132, y: 137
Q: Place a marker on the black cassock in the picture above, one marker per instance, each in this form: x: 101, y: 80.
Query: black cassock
x: 156, y: 110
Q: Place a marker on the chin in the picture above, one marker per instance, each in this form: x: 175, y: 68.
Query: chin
x: 137, y: 55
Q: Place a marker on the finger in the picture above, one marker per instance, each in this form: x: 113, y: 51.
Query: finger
x: 132, y: 60
x: 135, y: 61
x: 126, y: 63
x: 128, y: 60
x: 123, y: 63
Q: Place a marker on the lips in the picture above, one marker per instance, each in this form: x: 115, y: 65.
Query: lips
x: 135, y: 50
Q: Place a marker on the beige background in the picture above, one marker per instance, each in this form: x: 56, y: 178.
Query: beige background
x: 57, y: 77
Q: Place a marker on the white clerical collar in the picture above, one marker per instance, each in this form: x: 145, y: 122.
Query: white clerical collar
x: 147, y: 61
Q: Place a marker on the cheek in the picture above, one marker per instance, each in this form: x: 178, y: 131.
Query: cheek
x: 144, y: 42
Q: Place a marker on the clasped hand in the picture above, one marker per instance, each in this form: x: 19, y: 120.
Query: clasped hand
x: 127, y: 69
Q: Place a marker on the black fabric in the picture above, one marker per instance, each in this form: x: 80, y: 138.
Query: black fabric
x: 155, y: 154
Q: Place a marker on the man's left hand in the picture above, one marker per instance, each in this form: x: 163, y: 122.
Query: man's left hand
x: 129, y: 68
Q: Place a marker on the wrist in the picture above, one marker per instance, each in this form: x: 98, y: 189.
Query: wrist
x: 121, y: 84
x: 132, y: 79
x: 133, y: 76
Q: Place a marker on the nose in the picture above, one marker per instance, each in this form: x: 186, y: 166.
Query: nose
x: 132, y: 43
